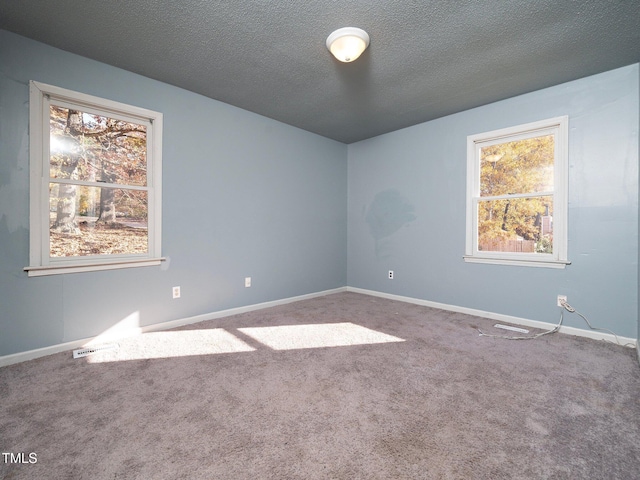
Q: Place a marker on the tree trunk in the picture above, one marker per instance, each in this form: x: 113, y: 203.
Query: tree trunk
x: 107, y: 200
x: 504, y: 216
x: 66, y: 209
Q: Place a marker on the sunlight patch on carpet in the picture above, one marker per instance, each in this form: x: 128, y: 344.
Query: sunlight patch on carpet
x: 180, y: 343
x: 290, y: 337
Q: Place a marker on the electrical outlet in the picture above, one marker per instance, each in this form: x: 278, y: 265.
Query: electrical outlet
x: 247, y: 282
x: 562, y: 299
x: 176, y: 292
x: 390, y: 274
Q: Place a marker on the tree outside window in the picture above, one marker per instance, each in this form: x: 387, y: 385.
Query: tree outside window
x: 517, y: 194
x: 98, y: 177
x: 95, y: 183
x: 510, y: 223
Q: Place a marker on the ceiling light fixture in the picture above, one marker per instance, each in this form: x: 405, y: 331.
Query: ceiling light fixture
x: 348, y: 43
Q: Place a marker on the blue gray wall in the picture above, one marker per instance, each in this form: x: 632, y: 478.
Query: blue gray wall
x: 247, y: 196
x: 243, y: 195
x: 406, y: 209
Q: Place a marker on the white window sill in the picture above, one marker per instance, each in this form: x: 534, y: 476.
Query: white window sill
x: 91, y: 267
x: 520, y: 263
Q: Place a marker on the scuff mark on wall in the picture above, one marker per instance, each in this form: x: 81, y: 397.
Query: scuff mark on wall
x: 14, y: 149
x: 388, y: 212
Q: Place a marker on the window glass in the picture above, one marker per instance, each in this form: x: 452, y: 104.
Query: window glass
x: 95, y: 183
x: 96, y: 148
x: 521, y: 166
x: 97, y: 221
x: 516, y: 225
x: 87, y: 149
x: 517, y: 195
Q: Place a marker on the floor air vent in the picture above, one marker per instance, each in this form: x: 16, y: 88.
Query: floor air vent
x: 513, y: 329
x: 83, y: 352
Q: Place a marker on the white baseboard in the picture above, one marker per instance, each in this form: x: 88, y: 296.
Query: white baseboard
x: 68, y: 346
x: 579, y: 332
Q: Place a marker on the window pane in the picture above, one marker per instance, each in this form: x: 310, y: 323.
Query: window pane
x: 96, y: 221
x: 516, y: 225
x: 94, y: 148
x: 522, y: 166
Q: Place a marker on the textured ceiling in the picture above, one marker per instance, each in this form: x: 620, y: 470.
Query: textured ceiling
x: 426, y: 59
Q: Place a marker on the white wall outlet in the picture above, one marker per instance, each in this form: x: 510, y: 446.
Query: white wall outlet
x: 176, y: 292
x: 390, y: 274
x: 247, y: 282
x: 562, y: 299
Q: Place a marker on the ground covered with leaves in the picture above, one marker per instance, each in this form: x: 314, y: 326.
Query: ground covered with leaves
x: 96, y: 239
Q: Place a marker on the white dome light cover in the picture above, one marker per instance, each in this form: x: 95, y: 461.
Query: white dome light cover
x: 348, y: 43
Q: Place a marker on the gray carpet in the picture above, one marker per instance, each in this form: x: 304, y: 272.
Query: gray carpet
x: 401, y: 392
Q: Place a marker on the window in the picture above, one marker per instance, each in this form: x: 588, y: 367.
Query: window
x: 517, y: 195
x: 95, y: 183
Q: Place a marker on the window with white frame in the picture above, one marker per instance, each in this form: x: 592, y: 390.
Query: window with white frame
x: 96, y: 172
x: 517, y: 195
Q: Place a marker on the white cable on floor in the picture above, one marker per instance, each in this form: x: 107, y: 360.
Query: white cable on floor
x: 573, y: 310
x: 529, y: 337
x: 568, y: 308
